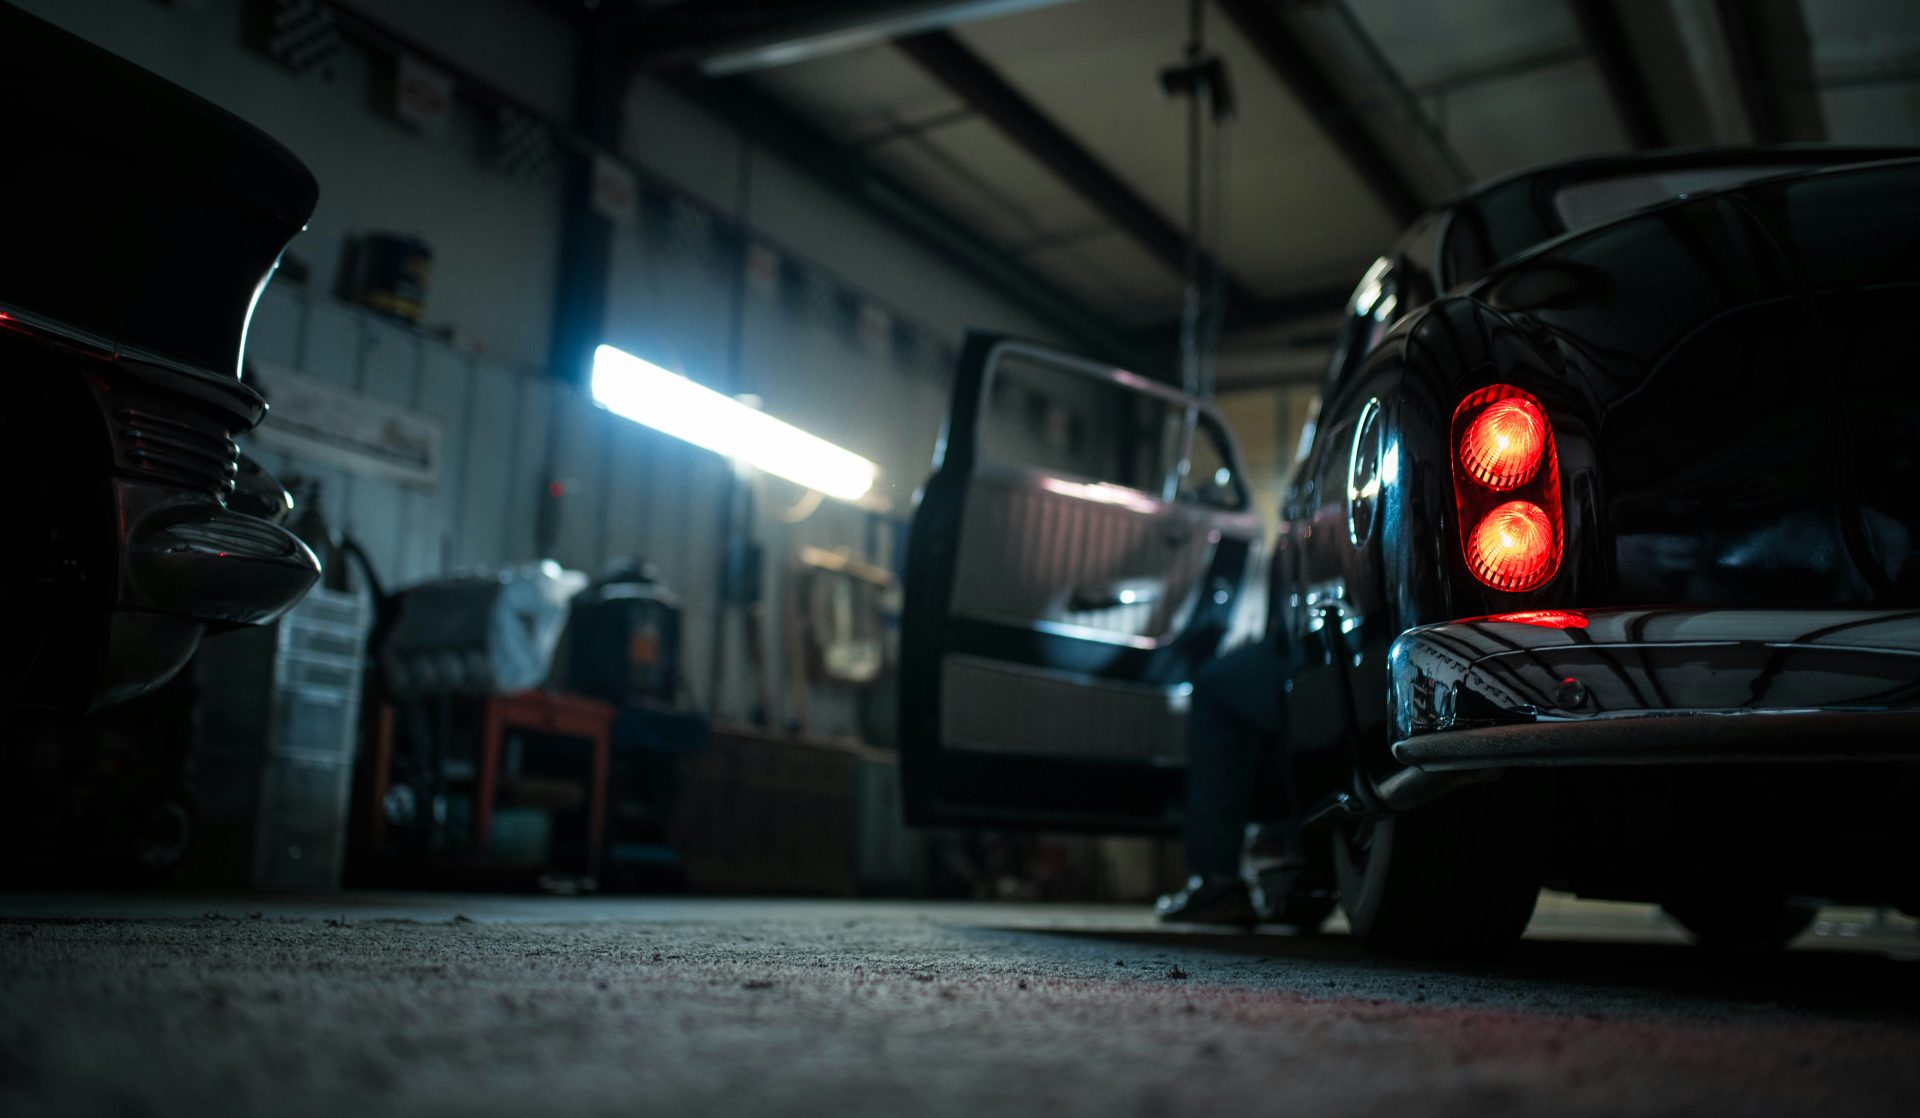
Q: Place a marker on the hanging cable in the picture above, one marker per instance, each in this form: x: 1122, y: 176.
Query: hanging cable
x: 1203, y: 78
x: 1190, y: 309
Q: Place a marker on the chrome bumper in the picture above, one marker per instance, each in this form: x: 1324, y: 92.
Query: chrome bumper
x: 1657, y: 686
x: 202, y: 561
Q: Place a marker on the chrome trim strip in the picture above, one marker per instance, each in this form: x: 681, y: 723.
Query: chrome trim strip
x: 1715, y: 668
x: 1072, y: 632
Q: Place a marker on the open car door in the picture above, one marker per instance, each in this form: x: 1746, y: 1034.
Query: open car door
x: 1081, y: 550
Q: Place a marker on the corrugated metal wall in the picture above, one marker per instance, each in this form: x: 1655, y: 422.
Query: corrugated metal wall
x: 630, y: 490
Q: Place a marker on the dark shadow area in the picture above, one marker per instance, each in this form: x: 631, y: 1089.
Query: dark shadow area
x: 1860, y: 985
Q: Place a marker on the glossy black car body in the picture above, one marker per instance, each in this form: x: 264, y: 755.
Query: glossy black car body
x: 137, y: 227
x: 1731, y: 633
x: 1712, y: 702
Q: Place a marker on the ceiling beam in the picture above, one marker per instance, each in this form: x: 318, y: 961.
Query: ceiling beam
x: 1772, y: 58
x: 967, y: 76
x: 1607, y: 42
x: 1301, y: 71
x: 1263, y: 315
x: 721, y: 38
x: 770, y: 123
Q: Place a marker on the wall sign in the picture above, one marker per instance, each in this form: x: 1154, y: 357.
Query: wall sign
x: 315, y: 421
x: 422, y: 96
x: 616, y: 196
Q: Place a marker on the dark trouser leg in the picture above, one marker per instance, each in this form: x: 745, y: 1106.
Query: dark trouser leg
x: 1236, y: 711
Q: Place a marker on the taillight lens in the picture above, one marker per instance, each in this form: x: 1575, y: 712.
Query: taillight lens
x: 1503, y: 446
x: 1513, y: 547
x: 1506, y: 486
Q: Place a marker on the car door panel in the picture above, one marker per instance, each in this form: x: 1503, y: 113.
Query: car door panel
x: 1036, y: 554
x: 1065, y: 580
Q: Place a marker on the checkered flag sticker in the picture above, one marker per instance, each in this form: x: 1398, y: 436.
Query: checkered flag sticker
x: 819, y: 297
x: 690, y: 231
x: 298, y: 34
x: 523, y: 146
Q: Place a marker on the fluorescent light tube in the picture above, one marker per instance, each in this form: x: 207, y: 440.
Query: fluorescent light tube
x: 667, y: 402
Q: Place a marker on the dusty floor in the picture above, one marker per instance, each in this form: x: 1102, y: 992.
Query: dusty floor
x: 371, y: 1005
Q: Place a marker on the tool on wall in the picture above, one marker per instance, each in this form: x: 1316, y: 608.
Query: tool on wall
x: 835, y: 623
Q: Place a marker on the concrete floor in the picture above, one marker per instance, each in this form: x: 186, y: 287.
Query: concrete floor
x: 374, y: 1004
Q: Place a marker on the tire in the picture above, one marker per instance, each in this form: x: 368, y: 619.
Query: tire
x: 164, y: 834
x: 1742, y: 923
x: 1454, y: 878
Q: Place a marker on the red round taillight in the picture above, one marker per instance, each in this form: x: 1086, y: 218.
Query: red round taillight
x: 1504, y: 444
x: 1506, y: 489
x: 1513, y: 547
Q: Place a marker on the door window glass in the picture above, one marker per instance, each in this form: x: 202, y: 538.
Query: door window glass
x: 1211, y: 479
x: 1053, y: 417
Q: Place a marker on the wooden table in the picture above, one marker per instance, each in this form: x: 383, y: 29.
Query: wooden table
x: 544, y: 712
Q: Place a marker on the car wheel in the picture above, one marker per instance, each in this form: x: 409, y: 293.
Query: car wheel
x: 1454, y: 877
x: 164, y: 834
x: 1751, y: 923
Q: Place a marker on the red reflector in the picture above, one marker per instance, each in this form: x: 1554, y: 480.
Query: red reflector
x: 1503, y: 446
x: 1513, y: 547
x: 1544, y: 618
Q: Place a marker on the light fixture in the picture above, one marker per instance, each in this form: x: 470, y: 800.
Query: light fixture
x: 669, y: 403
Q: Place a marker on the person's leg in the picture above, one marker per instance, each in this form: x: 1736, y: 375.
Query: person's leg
x: 1223, y: 752
x: 1235, y: 711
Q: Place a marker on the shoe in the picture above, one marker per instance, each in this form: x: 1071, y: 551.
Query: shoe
x: 1209, y: 900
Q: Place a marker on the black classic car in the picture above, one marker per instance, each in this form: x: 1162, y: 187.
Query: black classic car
x: 1599, y: 568
x: 137, y: 226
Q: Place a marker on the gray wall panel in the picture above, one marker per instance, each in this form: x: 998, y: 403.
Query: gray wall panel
x: 388, y: 371
x: 444, y: 392
x: 330, y: 345
x: 579, y: 464
x: 528, y: 477
x: 625, y: 488
x: 488, y: 467
x: 273, y: 334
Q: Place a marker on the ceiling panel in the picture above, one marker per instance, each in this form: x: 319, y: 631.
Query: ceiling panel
x: 1561, y: 112
x: 1851, y: 37
x: 859, y: 93
x: 970, y: 166
x: 1432, y: 42
x: 1872, y: 114
x: 1866, y: 60
x: 1117, y: 276
x: 1293, y: 207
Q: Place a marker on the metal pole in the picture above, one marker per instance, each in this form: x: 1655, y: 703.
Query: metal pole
x: 1190, y: 305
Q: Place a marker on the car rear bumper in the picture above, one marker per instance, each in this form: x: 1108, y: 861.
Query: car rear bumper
x: 1657, y: 686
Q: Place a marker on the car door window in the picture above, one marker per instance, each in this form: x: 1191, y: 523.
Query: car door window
x: 1053, y: 419
x: 1211, y: 479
